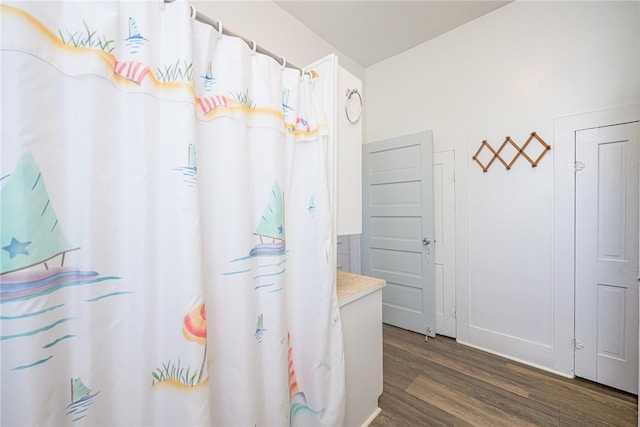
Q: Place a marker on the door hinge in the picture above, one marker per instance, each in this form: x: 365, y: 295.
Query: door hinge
x: 578, y: 166
x: 452, y: 313
x: 577, y: 344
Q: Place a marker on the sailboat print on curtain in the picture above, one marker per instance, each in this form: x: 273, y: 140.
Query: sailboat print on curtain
x: 260, y: 329
x: 135, y: 39
x: 30, y: 228
x: 271, y: 250
x: 271, y: 225
x: 81, y: 399
x: 312, y: 206
x: 31, y: 236
x: 208, y: 78
x: 189, y: 171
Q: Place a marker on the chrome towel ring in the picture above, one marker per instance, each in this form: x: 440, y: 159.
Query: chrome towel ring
x: 350, y: 93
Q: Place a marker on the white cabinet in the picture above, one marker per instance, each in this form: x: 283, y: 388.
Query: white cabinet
x: 349, y: 153
x: 360, y: 300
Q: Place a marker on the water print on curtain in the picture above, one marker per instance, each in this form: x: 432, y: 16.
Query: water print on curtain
x: 166, y: 249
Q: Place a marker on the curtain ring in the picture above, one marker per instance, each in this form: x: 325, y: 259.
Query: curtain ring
x: 311, y: 73
x: 284, y: 62
x: 193, y: 11
x: 254, y: 46
x: 350, y: 93
x: 219, y: 30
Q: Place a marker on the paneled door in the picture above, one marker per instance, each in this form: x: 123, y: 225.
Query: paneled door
x: 606, y: 288
x: 398, y: 228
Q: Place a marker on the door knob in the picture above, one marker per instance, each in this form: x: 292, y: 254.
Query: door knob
x: 426, y: 241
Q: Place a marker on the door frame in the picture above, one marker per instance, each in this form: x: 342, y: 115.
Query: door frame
x: 449, y: 283
x: 564, y: 192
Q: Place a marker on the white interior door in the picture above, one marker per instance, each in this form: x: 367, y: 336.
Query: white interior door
x: 444, y: 221
x: 398, y: 232
x: 606, y: 291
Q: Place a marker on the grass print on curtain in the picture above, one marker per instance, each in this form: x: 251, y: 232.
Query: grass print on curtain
x: 166, y: 244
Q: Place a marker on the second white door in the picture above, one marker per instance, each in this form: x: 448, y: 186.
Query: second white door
x: 606, y: 288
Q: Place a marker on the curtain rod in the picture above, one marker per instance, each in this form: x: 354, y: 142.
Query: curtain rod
x: 251, y: 43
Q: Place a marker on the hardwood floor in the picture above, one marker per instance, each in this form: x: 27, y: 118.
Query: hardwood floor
x: 443, y: 383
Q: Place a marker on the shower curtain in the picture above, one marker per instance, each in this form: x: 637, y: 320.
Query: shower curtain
x: 166, y: 233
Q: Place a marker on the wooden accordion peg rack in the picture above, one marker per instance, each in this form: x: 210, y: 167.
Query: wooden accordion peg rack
x: 520, y: 151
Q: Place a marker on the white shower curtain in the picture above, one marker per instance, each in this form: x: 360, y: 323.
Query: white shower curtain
x: 166, y: 241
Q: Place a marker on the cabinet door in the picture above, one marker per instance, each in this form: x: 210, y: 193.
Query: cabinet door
x: 344, y: 253
x: 349, y: 153
x: 344, y: 245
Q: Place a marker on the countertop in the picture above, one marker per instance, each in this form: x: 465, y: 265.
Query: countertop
x: 354, y: 286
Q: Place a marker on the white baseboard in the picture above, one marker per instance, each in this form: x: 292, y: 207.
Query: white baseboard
x: 372, y: 417
x: 515, y: 359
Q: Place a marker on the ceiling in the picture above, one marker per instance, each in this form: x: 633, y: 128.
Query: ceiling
x: 371, y: 31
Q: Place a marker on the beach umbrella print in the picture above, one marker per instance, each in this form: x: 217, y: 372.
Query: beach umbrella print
x: 194, y: 329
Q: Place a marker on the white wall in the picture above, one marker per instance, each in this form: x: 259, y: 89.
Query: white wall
x: 275, y: 30
x: 511, y: 72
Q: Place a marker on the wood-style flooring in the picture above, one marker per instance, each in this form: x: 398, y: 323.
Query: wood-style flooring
x: 443, y: 383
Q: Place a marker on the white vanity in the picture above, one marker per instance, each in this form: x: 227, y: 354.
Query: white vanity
x: 360, y: 300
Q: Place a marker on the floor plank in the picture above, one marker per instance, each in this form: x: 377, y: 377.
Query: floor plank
x: 443, y: 383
